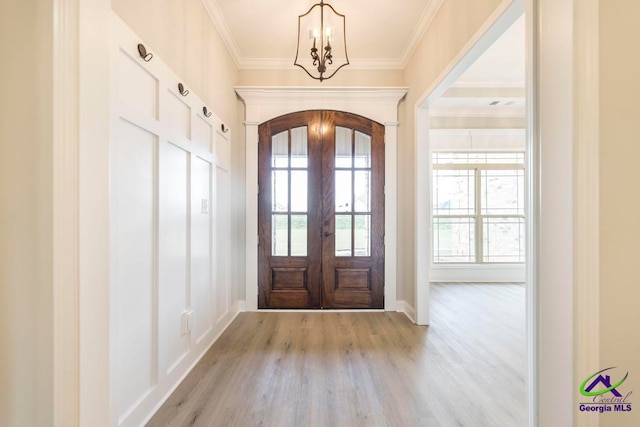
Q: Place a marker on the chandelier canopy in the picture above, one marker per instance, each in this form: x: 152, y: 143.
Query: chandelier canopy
x: 323, y: 30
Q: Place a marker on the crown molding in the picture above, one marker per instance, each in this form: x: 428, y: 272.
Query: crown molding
x: 420, y: 29
x: 219, y: 21
x: 287, y: 64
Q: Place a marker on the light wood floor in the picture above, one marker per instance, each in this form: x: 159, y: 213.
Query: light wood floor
x: 365, y: 369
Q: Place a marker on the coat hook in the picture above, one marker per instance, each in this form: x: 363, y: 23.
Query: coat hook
x: 143, y: 53
x: 182, y: 90
x: 224, y: 128
x: 206, y: 112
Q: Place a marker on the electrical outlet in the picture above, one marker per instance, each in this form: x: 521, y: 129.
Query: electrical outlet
x: 205, y: 206
x: 186, y: 321
x: 189, y: 320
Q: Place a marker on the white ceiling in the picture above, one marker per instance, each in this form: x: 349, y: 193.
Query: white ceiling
x: 503, y: 63
x: 380, y: 34
x: 493, y: 86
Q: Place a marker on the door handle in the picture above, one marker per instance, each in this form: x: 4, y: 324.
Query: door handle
x: 326, y: 234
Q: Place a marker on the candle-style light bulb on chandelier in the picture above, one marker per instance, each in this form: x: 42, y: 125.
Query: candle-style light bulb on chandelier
x: 328, y: 49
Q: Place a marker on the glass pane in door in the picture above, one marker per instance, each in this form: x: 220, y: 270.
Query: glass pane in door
x: 343, y: 148
x: 362, y: 191
x: 279, y: 235
x: 353, y: 186
x: 362, y: 235
x: 343, y: 235
x: 289, y: 192
x: 298, y: 235
x: 363, y: 150
x: 280, y: 191
x: 343, y: 191
x: 299, y: 189
x: 299, y: 153
x: 280, y: 150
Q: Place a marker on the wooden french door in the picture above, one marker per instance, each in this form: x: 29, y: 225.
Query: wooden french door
x: 321, y: 211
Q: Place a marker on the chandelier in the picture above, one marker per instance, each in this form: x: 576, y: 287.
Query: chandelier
x: 323, y: 29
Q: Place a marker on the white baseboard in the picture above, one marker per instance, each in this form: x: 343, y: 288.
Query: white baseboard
x: 225, y: 322
x: 404, y: 307
x: 401, y: 307
x: 493, y: 273
x: 240, y: 306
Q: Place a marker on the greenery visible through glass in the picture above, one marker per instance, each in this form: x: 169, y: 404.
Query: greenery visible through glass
x: 299, y: 235
x: 362, y: 235
x: 279, y: 235
x: 343, y: 235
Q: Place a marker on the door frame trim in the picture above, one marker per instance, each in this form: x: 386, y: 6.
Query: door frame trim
x: 265, y: 103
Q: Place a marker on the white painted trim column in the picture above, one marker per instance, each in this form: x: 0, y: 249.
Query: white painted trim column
x: 587, y: 196
x: 251, y: 256
x: 423, y: 220
x: 555, y: 138
x: 80, y: 202
x: 94, y: 132
x: 390, y: 213
x: 265, y: 103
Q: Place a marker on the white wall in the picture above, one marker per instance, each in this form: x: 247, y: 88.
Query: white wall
x: 26, y: 214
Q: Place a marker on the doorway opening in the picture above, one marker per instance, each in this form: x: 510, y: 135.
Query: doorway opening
x: 475, y: 210
x: 321, y: 215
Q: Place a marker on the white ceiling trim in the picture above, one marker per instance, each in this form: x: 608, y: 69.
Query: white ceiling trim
x: 418, y: 33
x: 223, y: 29
x: 287, y: 63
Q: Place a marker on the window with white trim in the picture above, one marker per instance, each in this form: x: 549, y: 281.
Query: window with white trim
x: 478, y: 207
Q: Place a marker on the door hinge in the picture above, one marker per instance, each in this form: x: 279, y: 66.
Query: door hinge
x: 258, y: 189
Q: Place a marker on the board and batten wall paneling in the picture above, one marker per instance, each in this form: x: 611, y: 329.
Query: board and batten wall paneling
x: 174, y: 252
x: 133, y: 215
x: 224, y: 298
x: 201, y: 257
x: 184, y: 36
x: 170, y: 166
x: 223, y: 242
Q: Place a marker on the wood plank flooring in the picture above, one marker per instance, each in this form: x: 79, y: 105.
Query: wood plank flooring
x: 365, y: 369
